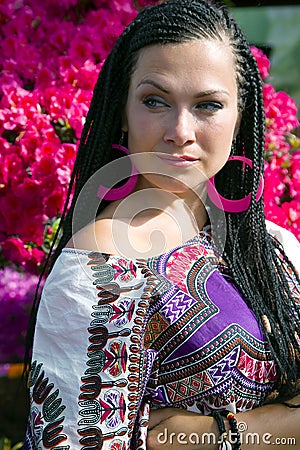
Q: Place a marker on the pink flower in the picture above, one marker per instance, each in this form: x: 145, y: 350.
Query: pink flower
x: 276, y: 214
x: 31, y: 229
x: 13, y: 250
x: 295, y: 175
x: 54, y: 202
x: 45, y: 165
x: 34, y: 260
x: 262, y: 61
x: 31, y: 140
x: 274, y: 184
x: 292, y: 209
x: 81, y: 49
x: 45, y: 77
x: 280, y: 110
x: 65, y: 155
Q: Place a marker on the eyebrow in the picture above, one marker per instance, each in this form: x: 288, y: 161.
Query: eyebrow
x: 155, y: 84
x: 166, y: 91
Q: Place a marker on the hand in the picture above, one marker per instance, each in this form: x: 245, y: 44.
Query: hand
x: 171, y: 428
x: 159, y: 415
x: 177, y: 429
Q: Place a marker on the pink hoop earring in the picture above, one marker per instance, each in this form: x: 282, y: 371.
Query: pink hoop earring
x: 112, y: 194
x: 233, y: 206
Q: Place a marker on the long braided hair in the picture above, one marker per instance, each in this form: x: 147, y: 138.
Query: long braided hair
x: 257, y: 262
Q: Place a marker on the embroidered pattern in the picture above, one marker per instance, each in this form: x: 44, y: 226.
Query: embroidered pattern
x: 116, y: 359
x: 45, y: 420
x: 168, y: 331
x: 210, y: 350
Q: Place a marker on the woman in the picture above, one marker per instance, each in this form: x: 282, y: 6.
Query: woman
x: 159, y: 297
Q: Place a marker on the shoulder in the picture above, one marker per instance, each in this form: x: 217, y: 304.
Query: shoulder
x: 96, y: 236
x: 288, y: 240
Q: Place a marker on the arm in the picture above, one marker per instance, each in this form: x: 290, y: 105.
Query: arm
x: 267, y: 425
x: 85, y: 382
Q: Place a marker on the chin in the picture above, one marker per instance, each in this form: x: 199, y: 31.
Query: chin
x: 170, y: 185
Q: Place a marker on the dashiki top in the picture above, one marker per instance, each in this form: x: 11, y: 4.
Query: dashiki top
x: 116, y: 337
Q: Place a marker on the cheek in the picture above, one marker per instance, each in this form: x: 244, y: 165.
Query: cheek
x: 221, y: 135
x: 219, y: 144
x: 227, y: 126
x: 143, y: 135
x: 137, y: 141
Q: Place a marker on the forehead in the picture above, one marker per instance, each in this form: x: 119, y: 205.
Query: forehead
x: 198, y: 61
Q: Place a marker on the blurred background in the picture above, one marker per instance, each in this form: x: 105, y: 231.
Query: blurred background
x: 274, y: 26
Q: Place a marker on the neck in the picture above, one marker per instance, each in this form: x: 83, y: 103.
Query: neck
x: 185, y: 206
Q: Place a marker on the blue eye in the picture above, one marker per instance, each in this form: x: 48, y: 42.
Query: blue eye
x: 209, y: 106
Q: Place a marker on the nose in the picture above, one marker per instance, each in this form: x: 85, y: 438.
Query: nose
x: 181, y: 128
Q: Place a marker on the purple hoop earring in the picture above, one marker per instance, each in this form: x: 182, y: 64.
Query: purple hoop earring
x: 233, y: 206
x: 119, y: 192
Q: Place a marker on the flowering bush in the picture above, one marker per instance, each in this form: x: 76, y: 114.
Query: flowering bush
x: 17, y: 294
x: 49, y: 62
x: 282, y: 154
x: 50, y: 59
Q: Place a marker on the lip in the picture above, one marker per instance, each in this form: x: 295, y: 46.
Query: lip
x: 178, y: 160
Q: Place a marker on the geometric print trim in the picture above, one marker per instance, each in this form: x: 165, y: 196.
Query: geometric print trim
x: 210, y: 354
x: 155, y: 327
x: 189, y: 387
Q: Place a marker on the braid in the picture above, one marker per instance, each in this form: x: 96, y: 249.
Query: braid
x: 257, y: 262
x: 253, y: 256
x: 103, y: 122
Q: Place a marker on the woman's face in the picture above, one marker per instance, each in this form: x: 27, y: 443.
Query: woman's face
x: 182, y: 112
